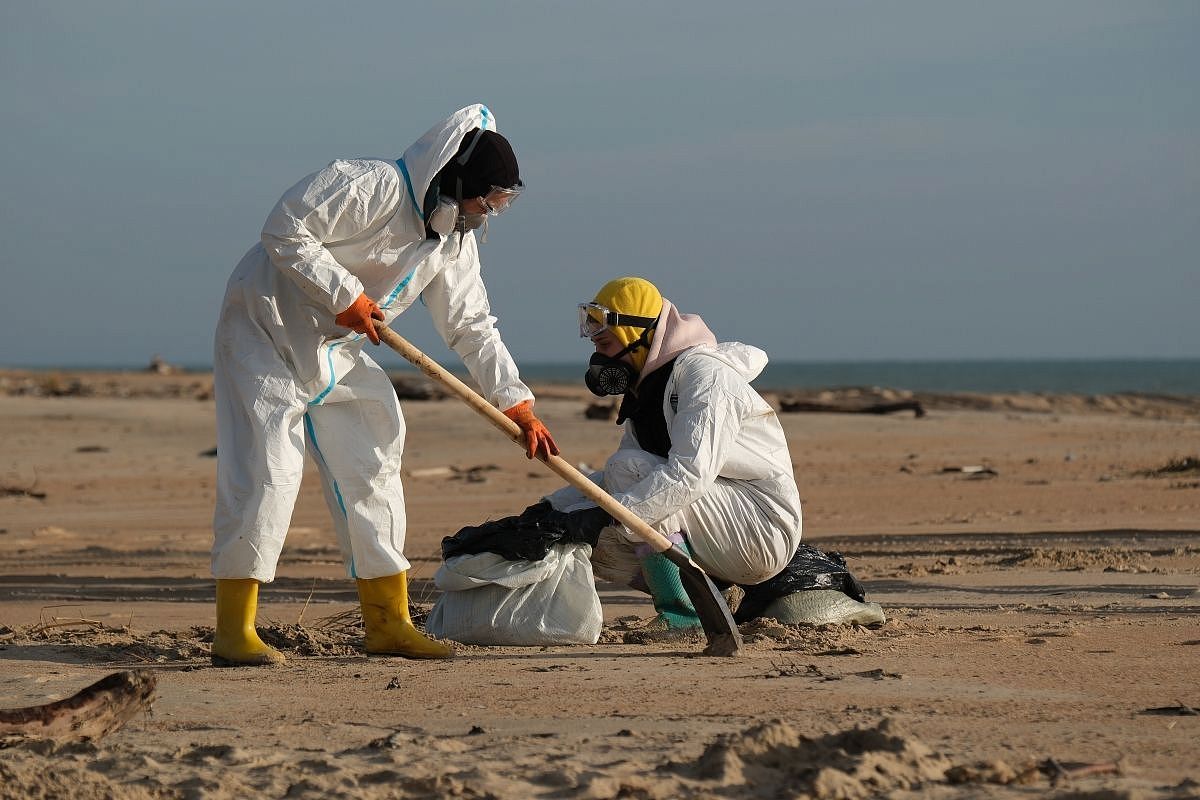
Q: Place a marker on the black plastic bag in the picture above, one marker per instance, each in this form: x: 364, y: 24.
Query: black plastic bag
x: 530, y: 535
x: 809, y: 569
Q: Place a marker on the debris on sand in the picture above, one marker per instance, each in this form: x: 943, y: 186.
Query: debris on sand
x: 160, y: 366
x: 601, y: 411
x: 1177, y: 710
x: 1188, y: 465
x: 786, y: 668
x: 972, y: 471
x: 22, y: 491
x: 794, y: 406
x: 472, y: 474
x: 431, y: 472
x: 417, y: 387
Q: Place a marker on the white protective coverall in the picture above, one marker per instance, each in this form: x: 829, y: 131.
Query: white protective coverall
x: 288, y: 379
x: 727, y: 481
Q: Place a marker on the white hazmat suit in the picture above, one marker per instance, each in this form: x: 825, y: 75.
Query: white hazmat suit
x: 727, y: 481
x: 288, y: 379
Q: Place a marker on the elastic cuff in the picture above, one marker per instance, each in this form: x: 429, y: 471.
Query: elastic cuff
x: 521, y: 412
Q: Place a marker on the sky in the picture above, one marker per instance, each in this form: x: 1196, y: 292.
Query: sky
x: 828, y: 181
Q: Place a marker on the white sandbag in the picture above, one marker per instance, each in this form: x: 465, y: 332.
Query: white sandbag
x: 487, y: 599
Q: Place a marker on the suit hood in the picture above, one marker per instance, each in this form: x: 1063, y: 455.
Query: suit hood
x: 749, y: 361
x: 675, y: 333
x: 427, y: 155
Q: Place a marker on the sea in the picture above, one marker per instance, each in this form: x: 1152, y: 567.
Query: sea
x: 1087, y: 377
x: 1057, y: 376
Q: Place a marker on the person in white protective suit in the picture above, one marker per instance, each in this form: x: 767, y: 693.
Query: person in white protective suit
x: 703, y: 458
x: 358, y: 241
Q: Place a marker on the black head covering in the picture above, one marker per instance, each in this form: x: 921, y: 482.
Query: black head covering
x: 491, y: 163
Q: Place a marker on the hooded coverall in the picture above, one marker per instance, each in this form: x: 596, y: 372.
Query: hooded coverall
x: 288, y: 379
x: 727, y: 480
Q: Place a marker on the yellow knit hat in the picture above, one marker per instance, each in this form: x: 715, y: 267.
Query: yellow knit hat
x: 637, y: 297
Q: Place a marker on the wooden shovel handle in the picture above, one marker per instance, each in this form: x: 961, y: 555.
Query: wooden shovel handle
x: 558, y: 465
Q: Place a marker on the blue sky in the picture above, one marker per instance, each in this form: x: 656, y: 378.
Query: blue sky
x: 829, y: 181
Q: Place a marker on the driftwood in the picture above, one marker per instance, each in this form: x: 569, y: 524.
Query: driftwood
x: 816, y: 407
x: 18, y: 491
x: 1178, y: 466
x: 159, y: 366
x: 604, y: 411
x: 416, y: 388
x: 93, y: 713
x: 1178, y: 710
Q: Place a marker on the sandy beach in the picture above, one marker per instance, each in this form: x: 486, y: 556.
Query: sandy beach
x: 1043, y: 633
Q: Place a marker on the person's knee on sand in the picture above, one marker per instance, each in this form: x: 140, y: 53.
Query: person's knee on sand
x: 627, y: 467
x: 614, y: 559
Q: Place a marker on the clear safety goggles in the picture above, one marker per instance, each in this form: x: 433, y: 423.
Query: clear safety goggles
x: 498, y: 198
x: 594, y: 318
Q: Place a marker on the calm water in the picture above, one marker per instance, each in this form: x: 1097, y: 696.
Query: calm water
x: 1150, y: 376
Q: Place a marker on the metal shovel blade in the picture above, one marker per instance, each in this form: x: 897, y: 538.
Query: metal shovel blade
x: 722, y: 633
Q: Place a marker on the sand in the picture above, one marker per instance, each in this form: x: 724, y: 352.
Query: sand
x: 1044, y: 615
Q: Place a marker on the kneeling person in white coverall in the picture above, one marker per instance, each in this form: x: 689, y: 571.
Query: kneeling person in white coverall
x: 703, y: 459
x: 358, y: 241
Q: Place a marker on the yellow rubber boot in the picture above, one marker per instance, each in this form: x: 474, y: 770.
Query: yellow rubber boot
x: 389, y: 626
x: 236, y: 643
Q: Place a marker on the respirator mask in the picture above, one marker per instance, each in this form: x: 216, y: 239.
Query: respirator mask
x: 444, y: 216
x: 446, y: 219
x: 608, y: 375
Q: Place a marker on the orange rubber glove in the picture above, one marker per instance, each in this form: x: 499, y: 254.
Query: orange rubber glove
x: 538, y: 440
x: 359, y: 315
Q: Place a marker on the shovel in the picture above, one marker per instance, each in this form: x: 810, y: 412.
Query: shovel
x: 723, y: 636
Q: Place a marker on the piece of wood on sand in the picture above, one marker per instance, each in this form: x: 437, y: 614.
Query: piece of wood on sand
x: 850, y: 407
x: 91, y: 714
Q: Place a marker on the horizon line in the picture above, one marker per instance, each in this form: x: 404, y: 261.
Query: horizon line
x: 207, y: 367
